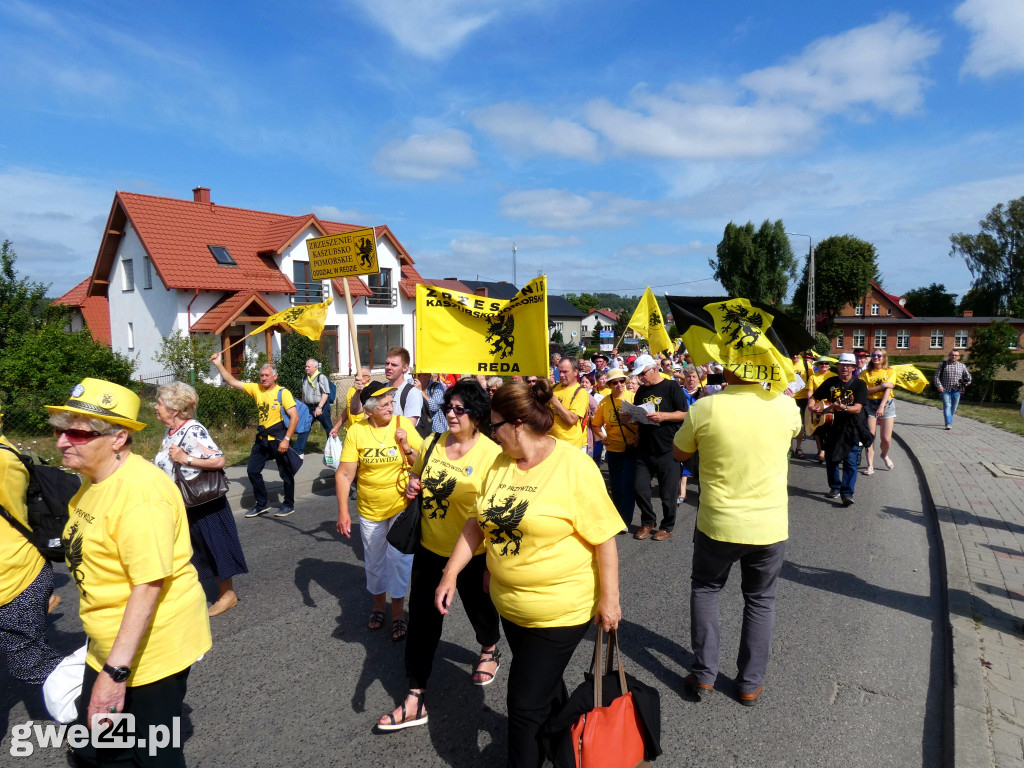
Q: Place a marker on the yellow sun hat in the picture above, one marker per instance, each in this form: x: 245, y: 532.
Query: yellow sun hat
x: 99, y: 399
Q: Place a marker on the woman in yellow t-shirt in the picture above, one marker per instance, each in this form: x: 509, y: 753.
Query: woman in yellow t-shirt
x: 450, y: 481
x: 127, y: 548
x: 619, y: 441
x: 880, y: 380
x: 379, y: 449
x: 549, y: 530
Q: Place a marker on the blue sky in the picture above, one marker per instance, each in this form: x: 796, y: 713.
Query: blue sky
x: 611, y: 141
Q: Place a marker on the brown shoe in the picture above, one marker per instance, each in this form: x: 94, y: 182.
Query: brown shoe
x: 750, y: 699
x: 224, y: 603
x: 697, y: 688
x: 643, y: 533
x: 662, y: 535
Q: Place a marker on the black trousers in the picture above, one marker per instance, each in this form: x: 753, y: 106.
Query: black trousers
x: 153, y: 704
x: 536, y: 689
x: 261, y: 453
x: 424, y: 620
x: 666, y: 471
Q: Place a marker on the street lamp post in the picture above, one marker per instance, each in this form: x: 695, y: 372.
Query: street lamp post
x: 809, y: 322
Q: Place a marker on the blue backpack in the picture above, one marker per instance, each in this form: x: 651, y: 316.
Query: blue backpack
x: 333, y: 394
x: 305, y: 417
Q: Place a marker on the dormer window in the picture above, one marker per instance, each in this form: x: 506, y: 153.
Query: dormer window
x: 221, y: 254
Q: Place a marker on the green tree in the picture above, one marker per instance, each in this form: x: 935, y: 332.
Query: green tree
x: 995, y: 256
x: 844, y: 267
x: 187, y: 357
x: 584, y: 302
x: 982, y: 302
x: 296, y: 349
x: 556, y: 338
x: 756, y: 265
x: 990, y: 350
x: 595, y: 337
x: 23, y: 305
x: 622, y: 321
x: 933, y: 301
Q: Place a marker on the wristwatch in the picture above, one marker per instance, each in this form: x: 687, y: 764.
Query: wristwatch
x: 117, y: 674
x: 189, y: 461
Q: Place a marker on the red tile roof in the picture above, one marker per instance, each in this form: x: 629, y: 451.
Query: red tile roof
x: 356, y: 288
x: 95, y: 310
x: 894, y: 299
x: 220, y: 315
x: 449, y: 284
x: 410, y: 279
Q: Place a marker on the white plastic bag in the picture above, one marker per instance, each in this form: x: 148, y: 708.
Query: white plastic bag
x: 64, y: 685
x: 332, y: 452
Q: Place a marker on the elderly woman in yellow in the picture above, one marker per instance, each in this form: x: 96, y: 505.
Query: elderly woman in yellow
x: 127, y: 548
x: 450, y: 481
x: 549, y: 529
x: 379, y: 449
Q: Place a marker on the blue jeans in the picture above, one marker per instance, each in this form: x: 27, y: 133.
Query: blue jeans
x: 849, y: 473
x: 950, y: 401
x: 621, y: 471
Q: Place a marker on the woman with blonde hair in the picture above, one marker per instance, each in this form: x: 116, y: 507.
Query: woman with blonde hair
x: 880, y: 380
x: 188, y: 449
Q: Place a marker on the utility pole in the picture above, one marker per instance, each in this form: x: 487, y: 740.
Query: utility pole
x: 809, y: 320
x: 514, y: 280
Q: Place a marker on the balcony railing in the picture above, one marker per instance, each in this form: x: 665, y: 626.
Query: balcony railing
x: 309, y: 293
x: 382, y: 297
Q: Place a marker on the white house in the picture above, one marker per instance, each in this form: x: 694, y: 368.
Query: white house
x: 589, y: 323
x: 175, y: 266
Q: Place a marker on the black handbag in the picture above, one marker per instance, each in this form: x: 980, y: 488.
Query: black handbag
x: 208, y: 485
x: 404, y: 533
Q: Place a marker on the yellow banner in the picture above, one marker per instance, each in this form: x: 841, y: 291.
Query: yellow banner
x: 467, y: 334
x: 740, y: 344
x: 344, y: 255
x: 909, y: 377
x: 307, y: 319
x: 648, y: 322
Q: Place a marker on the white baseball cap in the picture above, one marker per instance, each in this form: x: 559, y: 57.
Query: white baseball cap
x: 642, y: 363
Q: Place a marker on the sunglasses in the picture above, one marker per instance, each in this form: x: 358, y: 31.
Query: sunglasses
x: 76, y: 436
x: 879, y: 357
x: 498, y: 425
x: 458, y: 410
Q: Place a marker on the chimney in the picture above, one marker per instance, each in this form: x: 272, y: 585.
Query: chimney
x: 201, y: 194
x: 968, y: 313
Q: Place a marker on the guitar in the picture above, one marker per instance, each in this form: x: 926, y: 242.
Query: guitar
x: 814, y: 421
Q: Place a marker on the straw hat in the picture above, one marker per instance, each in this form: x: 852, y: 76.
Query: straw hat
x: 98, y: 399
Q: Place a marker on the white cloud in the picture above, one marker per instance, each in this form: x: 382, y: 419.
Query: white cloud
x: 433, y: 29
x: 333, y: 213
x: 998, y: 32
x: 426, y: 157
x: 559, y: 209
x: 879, y: 64
x: 525, y: 130
x: 474, y: 246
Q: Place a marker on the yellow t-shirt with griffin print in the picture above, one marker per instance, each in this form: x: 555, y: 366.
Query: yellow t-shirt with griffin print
x: 383, y: 473
x: 266, y: 402
x: 450, y: 490
x: 131, y: 529
x: 541, y: 528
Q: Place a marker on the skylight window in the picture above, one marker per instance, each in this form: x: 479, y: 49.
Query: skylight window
x: 220, y: 253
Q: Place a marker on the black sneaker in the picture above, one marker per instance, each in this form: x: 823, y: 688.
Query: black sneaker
x: 832, y: 494
x: 257, y: 511
x: 284, y: 510
x: 847, y: 501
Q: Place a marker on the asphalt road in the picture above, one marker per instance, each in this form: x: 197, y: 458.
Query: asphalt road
x: 856, y: 677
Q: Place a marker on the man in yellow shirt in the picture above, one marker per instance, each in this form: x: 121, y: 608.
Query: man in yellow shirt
x: 743, y: 515
x: 273, y: 439
x: 570, y: 404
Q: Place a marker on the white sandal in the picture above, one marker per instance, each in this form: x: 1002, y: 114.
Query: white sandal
x: 405, y: 722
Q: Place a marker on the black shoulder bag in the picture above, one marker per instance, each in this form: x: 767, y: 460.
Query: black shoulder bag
x: 404, y: 534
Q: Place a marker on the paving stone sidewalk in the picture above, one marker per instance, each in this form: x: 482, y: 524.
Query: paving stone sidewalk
x: 975, y: 476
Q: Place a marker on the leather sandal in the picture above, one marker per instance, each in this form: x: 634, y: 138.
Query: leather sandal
x: 486, y: 657
x: 420, y: 717
x: 376, y: 620
x: 399, y: 629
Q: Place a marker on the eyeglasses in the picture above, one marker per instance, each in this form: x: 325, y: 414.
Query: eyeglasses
x: 498, y: 425
x: 77, y: 436
x: 458, y: 410
x: 876, y: 356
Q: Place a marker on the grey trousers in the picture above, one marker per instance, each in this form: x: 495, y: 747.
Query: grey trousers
x: 759, y: 572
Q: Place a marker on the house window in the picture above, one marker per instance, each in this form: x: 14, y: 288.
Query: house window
x: 857, y: 340
x: 902, y: 339
x: 888, y: 311
x: 874, y: 310
x: 938, y: 339
x: 839, y: 339
x: 375, y: 341
x: 147, y: 273
x: 881, y: 338
x: 384, y: 295
x: 307, y: 290
x: 131, y: 336
x: 960, y: 340
x: 1013, y: 343
x: 556, y: 327
x: 859, y: 310
x: 222, y: 256
x: 128, y: 282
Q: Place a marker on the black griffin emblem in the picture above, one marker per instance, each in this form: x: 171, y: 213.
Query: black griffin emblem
x: 264, y: 411
x: 910, y: 375
x: 291, y: 315
x: 365, y: 249
x: 741, y: 325
x: 506, y: 518
x: 654, y: 321
x: 72, y: 541
x: 440, y: 489
x: 500, y: 332
x: 107, y: 399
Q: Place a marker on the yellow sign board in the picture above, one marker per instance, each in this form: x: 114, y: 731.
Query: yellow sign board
x: 344, y: 255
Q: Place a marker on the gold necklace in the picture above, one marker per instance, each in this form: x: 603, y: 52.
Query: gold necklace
x: 378, y: 439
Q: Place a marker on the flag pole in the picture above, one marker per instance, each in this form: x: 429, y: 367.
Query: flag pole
x: 351, y: 324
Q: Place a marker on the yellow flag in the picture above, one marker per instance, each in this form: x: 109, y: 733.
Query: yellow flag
x: 908, y: 377
x: 740, y: 343
x: 463, y: 333
x: 647, y: 321
x: 307, y: 319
